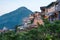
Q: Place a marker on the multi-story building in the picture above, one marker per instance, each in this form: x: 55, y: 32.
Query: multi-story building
x: 37, y: 19
x: 52, y: 11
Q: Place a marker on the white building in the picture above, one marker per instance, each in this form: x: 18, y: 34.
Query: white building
x: 5, y: 28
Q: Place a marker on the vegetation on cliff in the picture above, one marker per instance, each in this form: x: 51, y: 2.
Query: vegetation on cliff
x: 50, y: 31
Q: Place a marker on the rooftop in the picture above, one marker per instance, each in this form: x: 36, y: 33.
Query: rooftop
x: 50, y: 5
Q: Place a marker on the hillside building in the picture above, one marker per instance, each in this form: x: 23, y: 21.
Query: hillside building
x: 52, y: 11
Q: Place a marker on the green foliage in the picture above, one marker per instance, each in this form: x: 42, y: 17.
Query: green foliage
x: 50, y: 31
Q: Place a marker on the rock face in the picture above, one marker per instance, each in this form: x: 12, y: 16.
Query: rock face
x: 10, y: 20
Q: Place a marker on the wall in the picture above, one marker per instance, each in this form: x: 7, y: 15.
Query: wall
x: 52, y: 9
x: 58, y: 7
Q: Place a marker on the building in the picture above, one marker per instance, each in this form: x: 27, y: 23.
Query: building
x: 52, y: 11
x: 36, y: 19
x: 5, y: 28
x: 26, y: 22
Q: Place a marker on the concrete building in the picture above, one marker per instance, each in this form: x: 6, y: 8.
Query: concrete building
x: 52, y: 11
x: 37, y: 19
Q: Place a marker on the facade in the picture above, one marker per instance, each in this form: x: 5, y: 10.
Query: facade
x: 36, y: 17
x: 52, y: 11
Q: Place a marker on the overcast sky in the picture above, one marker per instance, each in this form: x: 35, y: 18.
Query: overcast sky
x: 10, y: 5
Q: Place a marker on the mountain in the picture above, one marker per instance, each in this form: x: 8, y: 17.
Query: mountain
x: 10, y: 20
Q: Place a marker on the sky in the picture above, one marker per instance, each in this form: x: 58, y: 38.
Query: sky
x: 7, y: 6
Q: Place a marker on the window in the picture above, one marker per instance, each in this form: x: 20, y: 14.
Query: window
x: 59, y: 15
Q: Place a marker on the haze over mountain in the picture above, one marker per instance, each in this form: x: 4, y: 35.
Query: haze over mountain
x: 10, y: 20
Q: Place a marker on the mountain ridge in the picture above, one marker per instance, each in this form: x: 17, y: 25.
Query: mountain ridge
x: 14, y: 18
